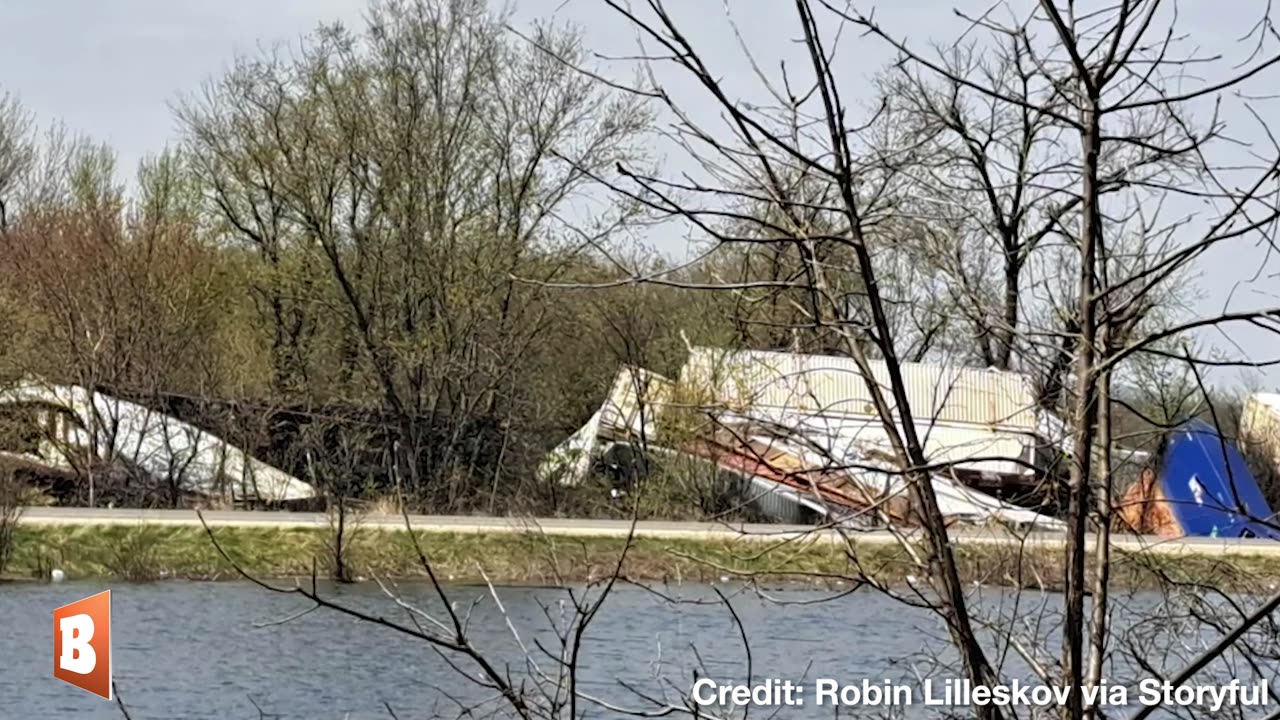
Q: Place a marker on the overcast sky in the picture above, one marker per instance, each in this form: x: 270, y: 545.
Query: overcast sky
x: 112, y: 68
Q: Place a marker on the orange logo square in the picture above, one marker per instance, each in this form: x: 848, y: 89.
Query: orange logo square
x: 82, y: 644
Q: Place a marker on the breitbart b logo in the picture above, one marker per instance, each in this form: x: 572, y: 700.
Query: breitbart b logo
x: 82, y: 644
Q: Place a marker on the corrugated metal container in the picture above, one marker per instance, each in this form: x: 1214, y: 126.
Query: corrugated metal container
x: 979, y: 420
x: 834, y: 386
x: 1260, y: 426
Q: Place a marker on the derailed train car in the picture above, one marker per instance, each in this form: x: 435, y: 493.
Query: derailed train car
x: 1200, y: 485
x: 801, y: 439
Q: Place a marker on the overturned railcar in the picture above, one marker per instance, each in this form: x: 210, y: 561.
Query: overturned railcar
x: 1199, y: 486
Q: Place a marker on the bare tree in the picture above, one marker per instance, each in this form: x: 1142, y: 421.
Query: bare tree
x: 986, y: 183
x: 418, y: 164
x: 17, y: 153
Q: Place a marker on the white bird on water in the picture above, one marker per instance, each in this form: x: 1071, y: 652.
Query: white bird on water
x: 57, y: 575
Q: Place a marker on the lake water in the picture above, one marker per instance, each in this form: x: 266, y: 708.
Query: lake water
x: 200, y: 650
x: 215, y: 650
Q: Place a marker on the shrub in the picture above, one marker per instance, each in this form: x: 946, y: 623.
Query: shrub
x: 133, y: 556
x: 14, y: 495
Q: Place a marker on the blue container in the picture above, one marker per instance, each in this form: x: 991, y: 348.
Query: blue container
x: 1209, y: 487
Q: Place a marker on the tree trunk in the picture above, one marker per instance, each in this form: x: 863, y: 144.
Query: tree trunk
x: 1084, y: 416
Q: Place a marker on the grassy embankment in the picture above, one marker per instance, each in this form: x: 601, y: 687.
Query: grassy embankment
x: 158, y: 551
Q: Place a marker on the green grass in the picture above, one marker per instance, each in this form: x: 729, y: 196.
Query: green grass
x: 149, y: 552
x: 152, y: 551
